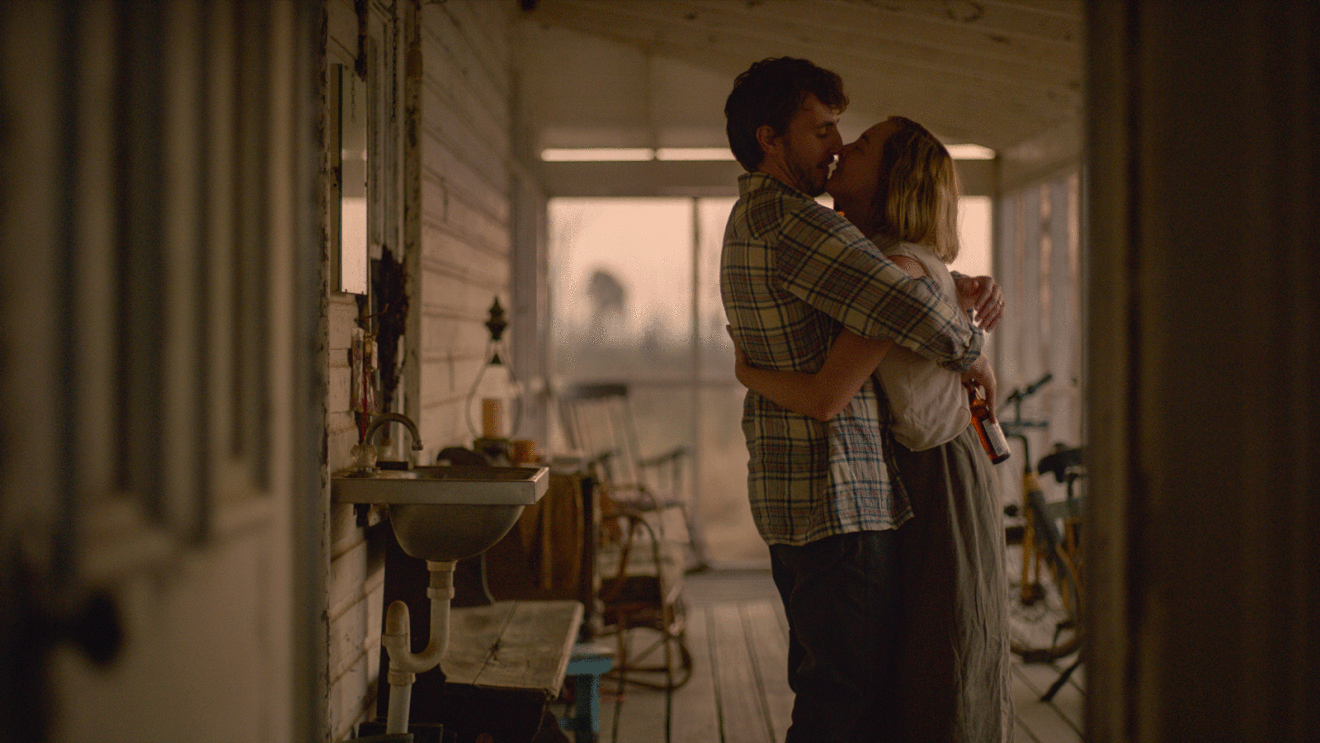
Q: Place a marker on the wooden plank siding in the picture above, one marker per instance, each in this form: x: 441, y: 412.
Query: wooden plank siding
x: 1037, y: 261
x: 737, y: 633
x: 466, y: 244
x: 445, y: 198
x: 356, y: 572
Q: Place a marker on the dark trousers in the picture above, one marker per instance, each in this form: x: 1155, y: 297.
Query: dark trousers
x: 842, y: 598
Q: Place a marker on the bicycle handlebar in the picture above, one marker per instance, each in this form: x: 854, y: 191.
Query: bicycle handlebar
x: 1029, y: 390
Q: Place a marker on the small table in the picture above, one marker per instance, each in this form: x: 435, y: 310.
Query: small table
x: 504, y: 662
x: 512, y: 645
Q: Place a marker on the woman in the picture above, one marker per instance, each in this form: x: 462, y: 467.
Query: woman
x: 897, y: 184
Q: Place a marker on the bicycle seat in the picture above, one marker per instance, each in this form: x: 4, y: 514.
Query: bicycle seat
x: 1060, y: 462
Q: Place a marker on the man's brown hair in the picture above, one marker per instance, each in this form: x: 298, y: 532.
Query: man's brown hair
x: 769, y: 93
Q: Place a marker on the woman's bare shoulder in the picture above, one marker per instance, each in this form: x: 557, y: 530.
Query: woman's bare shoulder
x: 909, y: 264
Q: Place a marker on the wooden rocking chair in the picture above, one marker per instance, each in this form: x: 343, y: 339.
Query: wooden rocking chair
x: 640, y: 563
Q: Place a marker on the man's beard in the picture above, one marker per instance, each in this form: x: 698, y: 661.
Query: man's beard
x: 810, y: 187
x: 808, y: 179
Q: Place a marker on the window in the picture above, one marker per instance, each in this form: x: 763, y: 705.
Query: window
x: 635, y: 298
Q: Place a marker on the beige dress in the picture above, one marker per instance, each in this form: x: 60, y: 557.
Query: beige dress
x: 954, y: 657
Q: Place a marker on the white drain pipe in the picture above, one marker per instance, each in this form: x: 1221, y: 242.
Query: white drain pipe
x: 404, y: 664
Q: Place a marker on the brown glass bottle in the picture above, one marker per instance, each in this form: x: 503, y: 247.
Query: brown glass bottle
x: 991, y: 435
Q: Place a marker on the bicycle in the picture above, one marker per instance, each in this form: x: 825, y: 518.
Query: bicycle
x: 1042, y: 564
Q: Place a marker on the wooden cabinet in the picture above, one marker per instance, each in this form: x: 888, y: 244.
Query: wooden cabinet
x: 551, y: 552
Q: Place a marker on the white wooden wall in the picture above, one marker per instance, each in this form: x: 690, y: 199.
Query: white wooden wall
x: 445, y: 197
x: 466, y: 214
x: 356, y: 568
x: 1037, y: 261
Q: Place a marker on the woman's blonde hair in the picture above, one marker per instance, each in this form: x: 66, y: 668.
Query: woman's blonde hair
x: 917, y: 200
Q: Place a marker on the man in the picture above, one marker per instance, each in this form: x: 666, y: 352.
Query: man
x: 823, y: 495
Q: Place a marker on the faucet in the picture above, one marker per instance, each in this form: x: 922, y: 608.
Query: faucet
x: 384, y: 418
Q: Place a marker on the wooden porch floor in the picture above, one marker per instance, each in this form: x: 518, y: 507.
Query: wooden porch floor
x: 739, y: 692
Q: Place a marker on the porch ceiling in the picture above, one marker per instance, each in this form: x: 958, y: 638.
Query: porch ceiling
x: 1005, y: 74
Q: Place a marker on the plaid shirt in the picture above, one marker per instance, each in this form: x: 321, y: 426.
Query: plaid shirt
x: 792, y: 274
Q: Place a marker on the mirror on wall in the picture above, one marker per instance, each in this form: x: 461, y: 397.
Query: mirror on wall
x: 353, y: 181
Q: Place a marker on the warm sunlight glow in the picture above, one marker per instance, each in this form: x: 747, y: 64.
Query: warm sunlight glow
x: 694, y: 153
x: 970, y: 152
x: 634, y: 154
x: 974, y: 223
x: 597, y: 154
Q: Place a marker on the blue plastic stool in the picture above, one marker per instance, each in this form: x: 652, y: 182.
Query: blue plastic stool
x: 588, y: 661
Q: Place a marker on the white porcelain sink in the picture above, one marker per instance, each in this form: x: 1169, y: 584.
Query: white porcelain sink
x: 446, y: 513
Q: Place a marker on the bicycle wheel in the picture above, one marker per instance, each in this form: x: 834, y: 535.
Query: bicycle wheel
x: 1043, y: 620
